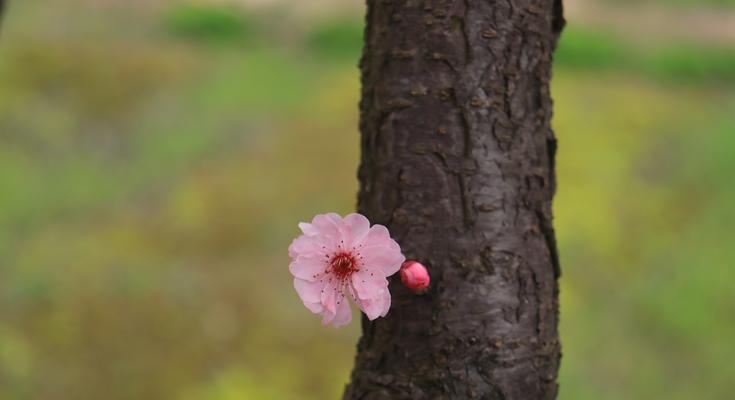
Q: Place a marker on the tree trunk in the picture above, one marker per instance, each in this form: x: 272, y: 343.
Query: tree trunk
x: 458, y: 162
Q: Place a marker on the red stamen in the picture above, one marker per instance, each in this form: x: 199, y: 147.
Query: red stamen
x: 343, y: 265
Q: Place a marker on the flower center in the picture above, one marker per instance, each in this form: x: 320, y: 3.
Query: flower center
x: 343, y: 265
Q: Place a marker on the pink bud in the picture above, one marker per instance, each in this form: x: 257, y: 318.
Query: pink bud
x: 414, y: 276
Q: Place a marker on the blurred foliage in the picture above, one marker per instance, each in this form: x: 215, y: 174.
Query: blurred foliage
x: 340, y: 39
x: 151, y: 187
x: 646, y: 307
x: 211, y: 24
x: 677, y: 3
x: 587, y: 49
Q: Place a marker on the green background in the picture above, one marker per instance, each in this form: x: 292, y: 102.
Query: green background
x: 156, y: 156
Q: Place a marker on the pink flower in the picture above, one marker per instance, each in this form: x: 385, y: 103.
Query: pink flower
x: 338, y: 256
x: 415, y: 276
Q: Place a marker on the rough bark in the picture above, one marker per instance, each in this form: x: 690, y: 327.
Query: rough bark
x: 458, y: 162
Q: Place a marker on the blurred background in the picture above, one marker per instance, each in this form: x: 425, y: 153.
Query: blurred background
x: 155, y: 157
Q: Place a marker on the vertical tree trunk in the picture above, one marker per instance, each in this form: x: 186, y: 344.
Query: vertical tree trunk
x: 458, y: 161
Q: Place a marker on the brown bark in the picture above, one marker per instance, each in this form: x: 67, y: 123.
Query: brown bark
x: 458, y: 162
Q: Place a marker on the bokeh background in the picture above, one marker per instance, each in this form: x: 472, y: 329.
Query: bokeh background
x: 155, y: 157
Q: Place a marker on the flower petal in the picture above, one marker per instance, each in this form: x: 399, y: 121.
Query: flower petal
x: 378, y: 251
x: 308, y: 268
x: 326, y: 228
x: 368, y: 286
x: 359, y: 226
x: 305, y: 246
x: 385, y: 260
x: 307, y: 228
x: 308, y: 291
x: 316, y: 308
x: 329, y: 295
x: 378, y: 234
x: 386, y: 303
x: 327, y: 316
x: 326, y: 224
x: 377, y: 307
x: 344, y: 313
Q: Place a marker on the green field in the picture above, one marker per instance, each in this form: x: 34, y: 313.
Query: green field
x: 151, y: 180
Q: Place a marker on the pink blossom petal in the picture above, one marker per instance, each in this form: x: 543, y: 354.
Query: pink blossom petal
x: 326, y: 227
x: 386, y: 256
x: 344, y: 314
x: 327, y: 316
x: 345, y: 234
x: 330, y: 293
x: 310, y: 292
x: 368, y: 286
x: 386, y: 300
x: 307, y: 228
x: 305, y: 245
x: 334, y: 303
x: 359, y: 228
x: 316, y: 308
x: 308, y: 268
x: 376, y: 234
x: 377, y: 307
x: 326, y: 224
x: 379, y: 250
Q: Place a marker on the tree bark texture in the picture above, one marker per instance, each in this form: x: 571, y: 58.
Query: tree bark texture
x: 458, y: 162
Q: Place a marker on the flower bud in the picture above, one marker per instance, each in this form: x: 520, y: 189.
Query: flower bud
x: 414, y: 276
